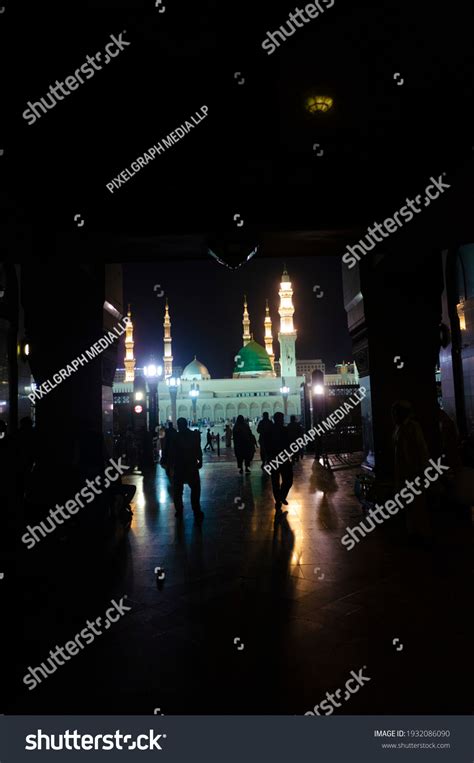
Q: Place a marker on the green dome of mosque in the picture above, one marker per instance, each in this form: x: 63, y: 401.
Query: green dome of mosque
x: 252, y: 359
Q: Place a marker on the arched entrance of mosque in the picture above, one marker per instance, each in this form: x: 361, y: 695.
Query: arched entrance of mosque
x: 206, y: 412
x: 243, y: 410
x: 254, y: 410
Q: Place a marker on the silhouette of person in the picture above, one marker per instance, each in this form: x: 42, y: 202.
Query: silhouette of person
x: 130, y: 448
x: 3, y: 436
x: 228, y: 435
x: 186, y: 460
x: 450, y: 443
x: 411, y: 459
x: 264, y: 427
x: 295, y: 430
x: 161, y: 433
x: 244, y: 444
x: 5, y: 460
x: 282, y: 477
x: 209, y: 445
x: 165, y: 461
x: 25, y: 452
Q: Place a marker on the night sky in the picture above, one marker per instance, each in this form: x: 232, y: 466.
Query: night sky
x: 206, y: 305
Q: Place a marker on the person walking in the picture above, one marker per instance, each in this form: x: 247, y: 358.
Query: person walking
x: 263, y: 429
x: 167, y: 448
x: 411, y: 459
x: 25, y: 452
x: 228, y: 435
x: 6, y: 462
x: 282, y: 477
x: 186, y: 460
x: 209, y: 445
x: 295, y: 430
x: 244, y: 444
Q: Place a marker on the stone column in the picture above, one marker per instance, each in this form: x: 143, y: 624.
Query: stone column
x: 394, y: 311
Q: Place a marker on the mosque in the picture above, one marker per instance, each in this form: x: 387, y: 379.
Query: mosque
x: 253, y: 389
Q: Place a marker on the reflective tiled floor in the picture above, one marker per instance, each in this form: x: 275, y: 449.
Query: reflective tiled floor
x: 256, y: 618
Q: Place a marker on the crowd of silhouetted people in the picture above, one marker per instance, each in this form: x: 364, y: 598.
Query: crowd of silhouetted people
x: 182, y: 458
x: 179, y: 452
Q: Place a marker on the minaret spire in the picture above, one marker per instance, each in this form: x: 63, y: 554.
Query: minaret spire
x: 168, y: 355
x: 246, y: 323
x: 129, y: 359
x: 287, y: 333
x: 268, y: 335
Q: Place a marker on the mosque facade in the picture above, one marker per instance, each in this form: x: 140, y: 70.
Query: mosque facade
x: 253, y: 388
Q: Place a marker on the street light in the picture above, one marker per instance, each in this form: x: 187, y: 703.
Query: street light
x: 284, y: 392
x: 152, y: 371
x: 173, y: 383
x: 319, y: 406
x: 153, y: 374
x: 194, y: 394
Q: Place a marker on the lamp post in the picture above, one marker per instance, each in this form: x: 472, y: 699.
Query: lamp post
x: 194, y: 394
x: 144, y: 455
x: 139, y: 403
x: 173, y: 383
x: 285, y: 391
x: 319, y: 403
x: 153, y: 374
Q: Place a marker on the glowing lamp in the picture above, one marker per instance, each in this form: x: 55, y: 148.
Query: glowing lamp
x: 461, y: 315
x: 150, y: 370
x: 138, y: 408
x: 318, y: 389
x: 321, y: 103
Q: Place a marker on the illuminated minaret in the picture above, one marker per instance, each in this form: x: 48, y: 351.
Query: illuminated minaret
x: 287, y: 334
x: 246, y: 323
x: 129, y: 359
x: 168, y: 356
x: 268, y: 334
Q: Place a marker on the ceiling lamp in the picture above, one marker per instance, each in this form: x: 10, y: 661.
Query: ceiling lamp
x: 320, y: 103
